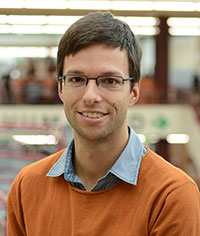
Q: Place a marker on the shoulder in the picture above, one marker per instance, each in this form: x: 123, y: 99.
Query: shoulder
x: 159, y: 173
x: 38, y: 169
x: 170, y: 194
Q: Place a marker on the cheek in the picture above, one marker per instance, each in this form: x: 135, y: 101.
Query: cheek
x: 116, y: 103
x: 120, y: 104
x: 70, y: 98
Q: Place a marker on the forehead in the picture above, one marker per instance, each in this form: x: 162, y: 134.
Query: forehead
x: 98, y: 59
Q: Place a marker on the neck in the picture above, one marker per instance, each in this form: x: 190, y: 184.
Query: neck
x: 93, y: 159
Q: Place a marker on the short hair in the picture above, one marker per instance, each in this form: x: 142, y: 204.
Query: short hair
x: 100, y: 28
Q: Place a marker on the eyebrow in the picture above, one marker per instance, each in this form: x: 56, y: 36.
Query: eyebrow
x: 111, y: 73
x: 74, y: 72
x: 106, y: 73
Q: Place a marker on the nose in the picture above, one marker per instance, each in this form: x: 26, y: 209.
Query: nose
x: 91, y: 93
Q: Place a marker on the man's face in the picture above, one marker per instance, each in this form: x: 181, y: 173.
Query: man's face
x: 93, y: 112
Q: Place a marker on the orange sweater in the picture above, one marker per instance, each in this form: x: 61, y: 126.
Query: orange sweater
x: 165, y: 202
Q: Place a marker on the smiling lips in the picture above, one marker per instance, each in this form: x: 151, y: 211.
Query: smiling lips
x: 92, y: 114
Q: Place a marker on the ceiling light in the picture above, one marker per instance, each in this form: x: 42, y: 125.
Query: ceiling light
x: 54, y: 29
x: 12, y: 4
x: 3, y: 19
x: 27, y: 29
x: 33, y: 29
x: 97, y: 5
x: 140, y: 21
x: 132, y: 5
x: 37, y: 19
x: 50, y: 4
x: 174, y: 6
x: 104, y: 5
x: 177, y: 138
x: 5, y: 29
x: 59, y: 24
x: 27, y: 19
x: 62, y: 20
x: 198, y: 6
x: 53, y: 51
x: 6, y: 52
x: 145, y: 30
x: 68, y: 20
x: 184, y: 31
x: 36, y: 139
x: 186, y: 21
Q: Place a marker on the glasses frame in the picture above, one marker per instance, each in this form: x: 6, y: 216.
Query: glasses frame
x: 62, y: 78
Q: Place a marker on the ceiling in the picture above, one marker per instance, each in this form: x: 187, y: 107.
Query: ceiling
x: 183, y: 8
x: 42, y: 22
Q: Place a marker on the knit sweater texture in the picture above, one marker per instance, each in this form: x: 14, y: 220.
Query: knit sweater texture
x: 165, y: 202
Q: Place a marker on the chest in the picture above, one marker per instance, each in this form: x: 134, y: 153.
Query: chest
x: 66, y: 211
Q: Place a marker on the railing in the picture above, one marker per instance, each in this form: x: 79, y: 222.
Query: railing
x: 3, y: 199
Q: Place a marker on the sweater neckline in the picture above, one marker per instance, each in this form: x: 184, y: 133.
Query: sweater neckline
x: 80, y: 191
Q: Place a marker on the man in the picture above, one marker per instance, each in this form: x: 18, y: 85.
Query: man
x: 106, y: 182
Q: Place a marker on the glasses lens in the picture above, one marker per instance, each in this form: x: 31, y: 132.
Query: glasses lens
x: 75, y: 81
x: 110, y: 83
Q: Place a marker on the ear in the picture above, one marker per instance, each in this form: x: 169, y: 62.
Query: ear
x: 134, y: 95
x: 60, y: 91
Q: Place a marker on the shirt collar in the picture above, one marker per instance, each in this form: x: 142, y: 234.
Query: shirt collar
x: 64, y: 163
x: 126, y: 167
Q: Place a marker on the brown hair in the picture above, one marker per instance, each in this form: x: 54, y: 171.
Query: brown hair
x: 96, y: 28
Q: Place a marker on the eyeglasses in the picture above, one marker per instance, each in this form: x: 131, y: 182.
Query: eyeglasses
x: 80, y: 81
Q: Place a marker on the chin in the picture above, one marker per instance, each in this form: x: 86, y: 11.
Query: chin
x: 92, y: 135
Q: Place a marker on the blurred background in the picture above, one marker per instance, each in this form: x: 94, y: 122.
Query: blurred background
x: 32, y: 121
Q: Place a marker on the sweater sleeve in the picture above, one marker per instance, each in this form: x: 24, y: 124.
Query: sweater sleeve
x: 180, y: 213
x: 15, y: 222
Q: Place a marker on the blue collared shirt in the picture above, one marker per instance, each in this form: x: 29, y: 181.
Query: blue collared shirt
x: 126, y: 168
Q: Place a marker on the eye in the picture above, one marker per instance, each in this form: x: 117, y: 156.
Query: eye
x: 73, y: 80
x: 76, y: 79
x: 111, y: 80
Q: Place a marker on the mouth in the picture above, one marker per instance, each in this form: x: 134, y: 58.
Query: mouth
x: 93, y: 115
